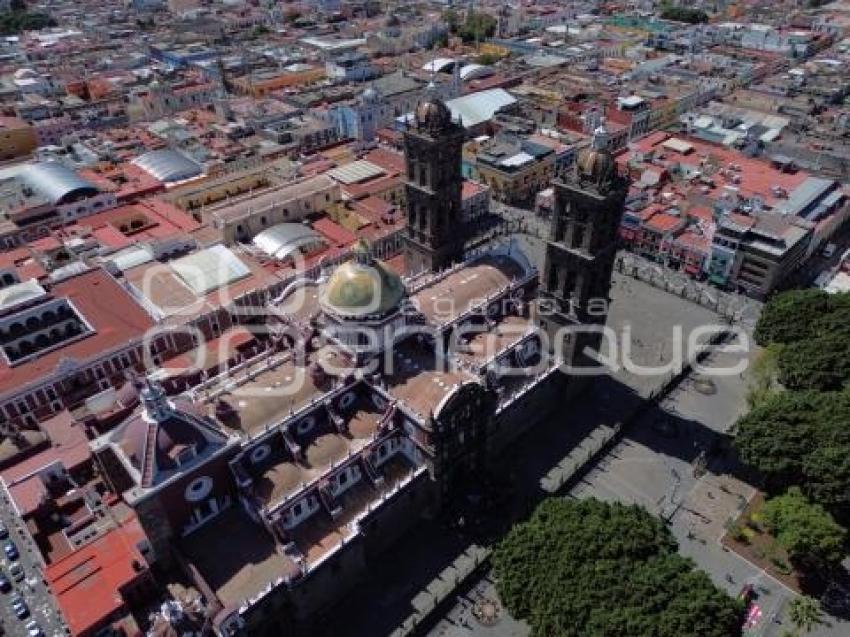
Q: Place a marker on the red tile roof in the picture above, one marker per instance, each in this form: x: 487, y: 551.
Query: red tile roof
x: 389, y: 160
x: 663, y: 222
x: 87, y: 584
x: 115, y: 316
x: 693, y: 241
x: 334, y: 232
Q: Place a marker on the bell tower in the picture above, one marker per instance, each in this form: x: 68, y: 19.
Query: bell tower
x: 580, y: 252
x: 432, y: 147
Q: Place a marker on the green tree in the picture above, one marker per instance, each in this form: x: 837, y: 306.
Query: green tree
x: 776, y: 436
x: 450, y: 17
x: 487, y: 59
x: 763, y: 375
x: 477, y: 27
x: 789, y: 316
x: 684, y: 14
x: 593, y: 568
x: 804, y: 612
x: 14, y: 22
x: 801, y: 438
x: 821, y: 363
x: 807, y: 531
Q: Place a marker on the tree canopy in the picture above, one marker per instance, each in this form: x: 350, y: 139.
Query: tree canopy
x: 806, y: 530
x: 804, y: 612
x: 593, y: 568
x: 476, y: 27
x: 20, y: 20
x: 800, y: 439
x: 801, y: 436
x: 684, y: 14
x: 791, y: 316
x: 811, y: 331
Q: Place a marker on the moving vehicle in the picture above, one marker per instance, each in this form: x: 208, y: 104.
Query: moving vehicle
x: 829, y: 250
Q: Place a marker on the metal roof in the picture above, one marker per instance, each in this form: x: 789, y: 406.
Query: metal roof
x: 282, y: 240
x: 474, y: 71
x: 20, y: 293
x: 438, y: 64
x: 209, y: 269
x: 806, y: 194
x: 476, y: 108
x: 131, y: 257
x: 168, y: 165
x: 356, y: 171
x: 56, y: 181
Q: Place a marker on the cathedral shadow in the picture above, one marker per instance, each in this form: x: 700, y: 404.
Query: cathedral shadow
x: 511, y: 489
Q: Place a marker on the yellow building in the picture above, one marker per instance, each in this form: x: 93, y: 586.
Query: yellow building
x: 514, y: 173
x: 17, y: 138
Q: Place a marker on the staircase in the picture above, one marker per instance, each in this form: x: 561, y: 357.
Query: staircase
x: 150, y: 454
x: 388, y: 419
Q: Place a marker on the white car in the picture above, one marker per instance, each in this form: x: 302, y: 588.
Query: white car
x: 33, y: 629
x: 829, y: 250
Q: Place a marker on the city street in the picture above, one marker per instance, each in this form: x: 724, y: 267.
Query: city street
x: 32, y: 588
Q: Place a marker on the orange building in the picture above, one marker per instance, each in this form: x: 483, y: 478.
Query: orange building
x: 261, y: 84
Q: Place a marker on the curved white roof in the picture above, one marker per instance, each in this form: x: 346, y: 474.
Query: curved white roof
x: 439, y: 64
x: 168, y: 165
x: 282, y: 240
x: 56, y: 181
x: 474, y: 71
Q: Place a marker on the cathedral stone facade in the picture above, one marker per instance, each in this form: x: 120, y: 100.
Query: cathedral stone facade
x: 433, y: 144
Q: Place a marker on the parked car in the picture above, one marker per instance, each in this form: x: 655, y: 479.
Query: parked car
x: 33, y: 629
x: 4, y: 531
x: 11, y: 550
x: 17, y: 572
x: 5, y: 584
x: 20, y: 607
x: 829, y: 250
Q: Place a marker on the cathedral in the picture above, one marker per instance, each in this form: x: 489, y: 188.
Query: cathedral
x: 274, y: 487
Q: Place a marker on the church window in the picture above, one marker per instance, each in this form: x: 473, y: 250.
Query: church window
x: 198, y: 489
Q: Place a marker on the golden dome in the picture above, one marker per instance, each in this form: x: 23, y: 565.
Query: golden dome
x: 362, y: 286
